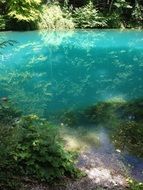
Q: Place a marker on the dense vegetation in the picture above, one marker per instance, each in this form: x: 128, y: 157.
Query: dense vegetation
x: 124, y: 121
x: 30, y: 147
x: 35, y: 14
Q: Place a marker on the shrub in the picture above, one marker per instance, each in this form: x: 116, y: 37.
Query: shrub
x: 2, y: 23
x: 40, y: 151
x: 134, y: 185
x: 54, y: 17
x: 137, y: 14
x: 21, y: 14
x: 114, y: 20
x: 31, y: 147
x: 88, y: 17
x: 24, y: 10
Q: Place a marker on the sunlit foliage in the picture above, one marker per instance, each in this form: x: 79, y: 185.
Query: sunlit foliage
x: 32, y: 14
x: 24, y: 10
x: 54, y: 17
x: 88, y: 17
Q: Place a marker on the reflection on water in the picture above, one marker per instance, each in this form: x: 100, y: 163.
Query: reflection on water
x: 49, y: 73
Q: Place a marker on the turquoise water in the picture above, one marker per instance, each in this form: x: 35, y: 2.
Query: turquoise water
x: 48, y: 73
x: 52, y: 71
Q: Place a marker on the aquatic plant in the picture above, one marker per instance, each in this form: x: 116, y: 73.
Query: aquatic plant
x: 115, y: 110
x: 129, y: 136
x: 124, y: 121
x: 8, y: 115
x: 103, y: 112
x: 69, y: 118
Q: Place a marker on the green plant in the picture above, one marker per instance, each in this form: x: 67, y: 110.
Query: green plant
x: 88, y: 17
x: 2, y: 22
x: 122, y: 4
x: 69, y: 118
x: 8, y: 167
x: 20, y: 14
x: 8, y: 114
x: 54, y: 17
x: 129, y: 136
x: 31, y: 147
x: 103, y: 112
x: 40, y: 151
x: 137, y: 13
x: 118, y: 10
x: 134, y: 185
x: 114, y: 20
x: 26, y: 10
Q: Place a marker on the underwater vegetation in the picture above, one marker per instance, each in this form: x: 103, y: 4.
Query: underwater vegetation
x: 49, y: 72
x: 115, y: 109
x: 128, y: 136
x: 123, y: 120
x: 32, y: 147
x: 8, y: 114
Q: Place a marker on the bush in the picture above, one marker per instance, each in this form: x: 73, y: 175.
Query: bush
x: 54, y: 17
x: 40, y: 151
x: 134, y: 185
x: 88, y: 17
x: 20, y: 14
x: 31, y: 147
x: 2, y: 23
x: 114, y: 21
x: 23, y: 10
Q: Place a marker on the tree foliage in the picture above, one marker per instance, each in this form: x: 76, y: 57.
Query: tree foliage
x: 23, y: 10
x: 85, y: 14
x: 88, y: 17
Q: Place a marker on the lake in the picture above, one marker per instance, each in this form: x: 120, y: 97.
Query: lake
x: 88, y: 78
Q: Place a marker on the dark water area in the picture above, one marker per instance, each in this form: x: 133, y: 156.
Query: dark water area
x: 50, y: 73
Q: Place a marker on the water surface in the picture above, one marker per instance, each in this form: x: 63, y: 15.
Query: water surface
x: 49, y: 73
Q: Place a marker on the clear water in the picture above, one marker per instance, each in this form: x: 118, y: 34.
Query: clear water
x: 51, y: 72
x: 61, y: 70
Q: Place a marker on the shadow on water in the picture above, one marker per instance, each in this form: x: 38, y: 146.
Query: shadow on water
x: 86, y: 78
